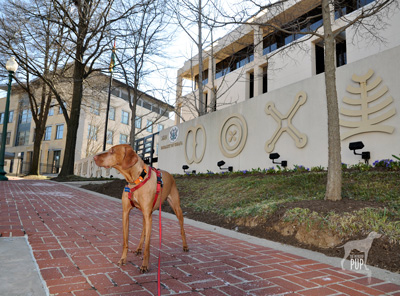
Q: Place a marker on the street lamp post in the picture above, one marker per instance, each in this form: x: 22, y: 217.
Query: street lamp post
x: 11, y: 67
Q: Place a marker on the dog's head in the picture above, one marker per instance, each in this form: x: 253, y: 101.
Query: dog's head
x: 374, y: 234
x: 119, y: 156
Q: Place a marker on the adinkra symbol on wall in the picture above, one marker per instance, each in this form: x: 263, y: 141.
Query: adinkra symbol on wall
x: 285, y: 123
x: 369, y: 102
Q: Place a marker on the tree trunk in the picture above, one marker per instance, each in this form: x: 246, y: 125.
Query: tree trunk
x: 37, y: 144
x: 73, y: 124
x: 334, y: 182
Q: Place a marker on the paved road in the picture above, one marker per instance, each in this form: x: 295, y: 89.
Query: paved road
x: 75, y: 238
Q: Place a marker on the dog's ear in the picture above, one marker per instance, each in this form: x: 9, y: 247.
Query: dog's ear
x: 130, y: 158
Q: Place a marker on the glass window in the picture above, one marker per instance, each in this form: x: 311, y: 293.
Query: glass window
x: 125, y: 117
x: 26, y: 116
x: 138, y: 122
x: 59, y: 131
x: 95, y: 107
x: 92, y: 132
x: 160, y: 127
x: 47, y: 134
x: 111, y: 113
x: 7, y: 139
x: 22, y: 138
x: 110, y: 136
x: 123, y: 139
x: 149, y: 126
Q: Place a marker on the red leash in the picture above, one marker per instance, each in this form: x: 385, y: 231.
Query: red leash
x: 159, y: 186
x: 158, y: 190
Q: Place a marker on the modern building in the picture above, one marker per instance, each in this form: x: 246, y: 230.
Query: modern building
x: 152, y: 115
x: 267, y: 88
x: 256, y: 58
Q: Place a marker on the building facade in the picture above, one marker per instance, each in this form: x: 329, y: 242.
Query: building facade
x: 152, y: 115
x: 274, y: 101
x: 256, y: 59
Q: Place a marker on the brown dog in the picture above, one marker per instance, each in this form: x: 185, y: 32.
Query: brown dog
x: 132, y: 167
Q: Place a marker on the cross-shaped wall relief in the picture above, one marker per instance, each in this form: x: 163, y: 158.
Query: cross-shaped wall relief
x: 285, y: 123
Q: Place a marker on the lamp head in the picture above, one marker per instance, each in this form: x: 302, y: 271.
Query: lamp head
x: 220, y: 163
x: 12, y: 65
x: 356, y: 145
x: 274, y: 156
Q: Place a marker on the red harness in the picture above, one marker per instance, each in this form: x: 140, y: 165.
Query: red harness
x: 144, y: 181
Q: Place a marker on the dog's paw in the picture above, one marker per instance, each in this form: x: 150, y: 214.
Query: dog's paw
x: 138, y: 252
x: 144, y: 269
x: 186, y: 249
x: 122, y: 261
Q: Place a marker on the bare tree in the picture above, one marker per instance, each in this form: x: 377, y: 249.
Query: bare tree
x: 37, y: 45
x: 140, y: 43
x: 88, y: 22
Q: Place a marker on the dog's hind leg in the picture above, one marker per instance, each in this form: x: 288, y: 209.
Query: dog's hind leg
x: 174, y: 202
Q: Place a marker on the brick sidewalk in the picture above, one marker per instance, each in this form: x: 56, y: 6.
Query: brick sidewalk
x: 76, y: 239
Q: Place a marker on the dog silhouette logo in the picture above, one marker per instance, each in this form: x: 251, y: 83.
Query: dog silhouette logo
x: 363, y: 245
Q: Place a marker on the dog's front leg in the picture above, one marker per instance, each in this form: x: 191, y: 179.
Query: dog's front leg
x: 147, y: 228
x: 142, y: 237
x: 126, y: 209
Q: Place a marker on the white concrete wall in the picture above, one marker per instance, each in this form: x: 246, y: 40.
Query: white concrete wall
x: 310, y: 119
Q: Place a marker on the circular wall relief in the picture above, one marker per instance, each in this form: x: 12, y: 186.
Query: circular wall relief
x: 233, y: 135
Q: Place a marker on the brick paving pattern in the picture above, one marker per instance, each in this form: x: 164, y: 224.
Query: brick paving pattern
x: 76, y: 239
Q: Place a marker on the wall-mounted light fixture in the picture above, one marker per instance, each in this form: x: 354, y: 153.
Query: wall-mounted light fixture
x: 274, y: 156
x: 366, y: 155
x: 186, y: 167
x: 221, y: 163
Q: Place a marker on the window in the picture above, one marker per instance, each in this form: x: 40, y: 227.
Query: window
x: 160, y: 127
x: 51, y: 111
x: 146, y: 105
x: 22, y: 138
x: 47, y: 133
x: 123, y: 139
x: 319, y: 59
x: 205, y: 78
x: 251, y: 86
x: 95, y: 107
x: 92, y: 132
x: 10, y: 117
x: 59, y: 131
x: 265, y: 80
x: 26, y: 116
x: 111, y: 113
x: 347, y: 6
x: 341, y: 54
x: 235, y: 61
x: 149, y: 126
x: 7, y: 139
x: 60, y: 110
x: 110, y: 136
x: 125, y: 117
x: 138, y: 122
